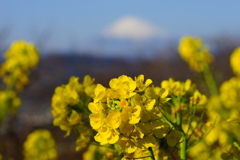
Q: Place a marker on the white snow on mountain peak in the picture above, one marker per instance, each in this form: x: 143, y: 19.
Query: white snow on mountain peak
x: 130, y: 27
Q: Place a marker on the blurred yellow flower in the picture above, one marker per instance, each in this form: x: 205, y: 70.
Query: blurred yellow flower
x: 9, y: 99
x: 198, y: 98
x: 235, y: 61
x: 84, y: 137
x: 229, y: 92
x: 95, y: 152
x: 20, y: 58
x: 40, y: 145
x: 22, y: 54
x: 194, y: 53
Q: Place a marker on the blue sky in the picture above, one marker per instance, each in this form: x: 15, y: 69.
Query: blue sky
x: 67, y: 24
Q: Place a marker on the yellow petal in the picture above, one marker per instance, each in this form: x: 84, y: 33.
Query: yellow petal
x: 150, y: 105
x: 113, y: 119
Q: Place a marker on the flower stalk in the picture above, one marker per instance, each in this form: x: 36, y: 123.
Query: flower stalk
x: 183, y: 140
x: 208, y: 77
x: 151, y: 153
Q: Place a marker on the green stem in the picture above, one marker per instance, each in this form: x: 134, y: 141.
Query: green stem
x: 179, y: 120
x: 10, y: 87
x: 207, y: 74
x: 151, y: 153
x: 183, y: 141
x: 183, y: 147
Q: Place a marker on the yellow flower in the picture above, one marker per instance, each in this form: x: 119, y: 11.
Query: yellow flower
x: 22, y: 54
x: 162, y: 93
x: 128, y: 112
x: 234, y: 117
x: 96, y: 120
x: 70, y: 103
x: 113, y: 119
x: 9, y: 99
x: 74, y: 118
x: 97, y: 107
x: 198, y: 98
x: 194, y: 53
x: 106, y: 127
x: 40, y: 145
x: 159, y: 95
x: 84, y: 138
x: 124, y: 86
x: 140, y: 82
x: 177, y: 88
x: 127, y: 144
x: 88, y: 80
x: 229, y: 92
x: 107, y: 135
x: 99, y: 93
x: 135, y: 114
x: 235, y: 61
x: 189, y: 46
x: 131, y: 114
x: 20, y: 58
x: 146, y: 142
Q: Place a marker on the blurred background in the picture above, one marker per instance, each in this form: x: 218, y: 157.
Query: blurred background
x: 105, y: 40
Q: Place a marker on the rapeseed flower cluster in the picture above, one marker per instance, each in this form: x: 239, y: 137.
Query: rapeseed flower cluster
x: 20, y: 58
x: 181, y: 111
x: 135, y: 115
x: 9, y: 98
x: 40, y: 145
x: 230, y: 92
x: 196, y: 54
x: 223, y: 109
x: 183, y: 95
x: 226, y: 109
x: 126, y: 113
x: 227, y: 112
x: 14, y: 71
x: 69, y: 108
x: 230, y: 89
